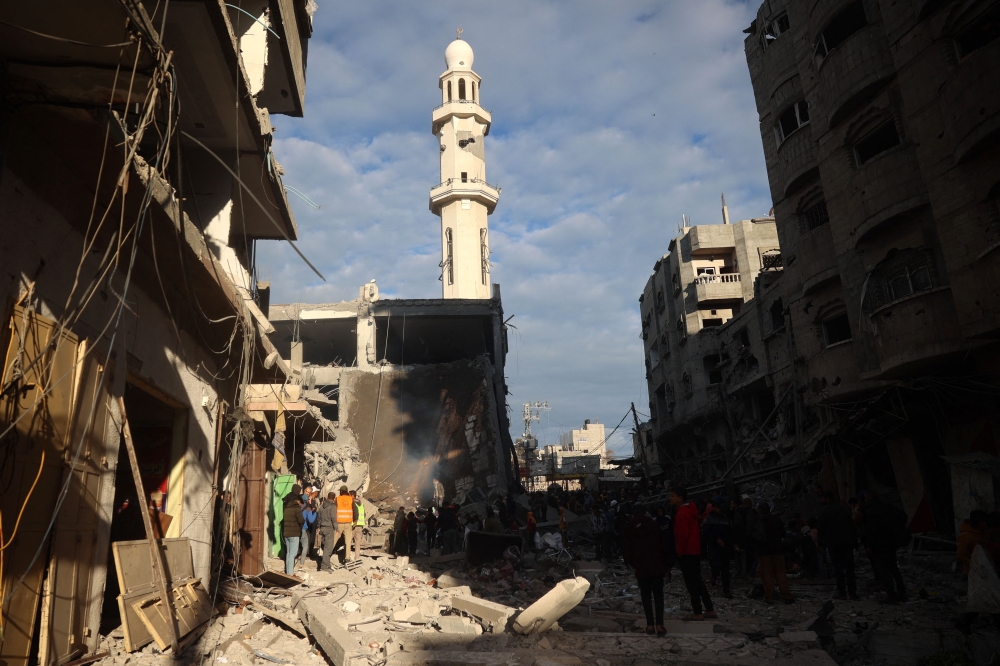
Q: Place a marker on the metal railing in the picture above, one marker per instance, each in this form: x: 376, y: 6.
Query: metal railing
x: 713, y: 279
x: 466, y: 181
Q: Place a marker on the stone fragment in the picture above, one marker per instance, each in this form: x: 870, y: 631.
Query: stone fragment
x: 430, y: 608
x: 450, y: 578
x: 493, y: 616
x: 454, y: 624
x: 800, y: 639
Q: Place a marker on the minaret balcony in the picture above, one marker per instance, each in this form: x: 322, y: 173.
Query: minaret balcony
x: 456, y: 189
x: 462, y: 108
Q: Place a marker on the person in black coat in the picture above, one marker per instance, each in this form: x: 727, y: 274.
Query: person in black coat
x: 839, y: 535
x: 642, y: 546
x: 884, y: 525
x: 718, y: 537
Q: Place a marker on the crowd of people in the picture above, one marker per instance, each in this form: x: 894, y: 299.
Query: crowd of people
x: 654, y: 531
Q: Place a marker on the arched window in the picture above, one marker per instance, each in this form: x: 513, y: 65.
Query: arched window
x: 449, y: 91
x: 449, y: 263
x: 461, y: 88
x: 473, y: 91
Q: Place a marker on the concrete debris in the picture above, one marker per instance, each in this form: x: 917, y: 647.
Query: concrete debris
x: 541, y: 615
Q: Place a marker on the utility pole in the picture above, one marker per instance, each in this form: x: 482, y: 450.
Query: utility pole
x: 642, y: 444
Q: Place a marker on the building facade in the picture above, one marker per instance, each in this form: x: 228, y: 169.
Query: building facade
x: 589, y: 439
x: 871, y: 361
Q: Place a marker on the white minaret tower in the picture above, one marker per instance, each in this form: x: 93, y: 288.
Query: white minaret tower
x: 463, y: 199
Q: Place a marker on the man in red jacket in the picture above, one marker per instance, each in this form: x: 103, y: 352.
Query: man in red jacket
x: 687, y: 538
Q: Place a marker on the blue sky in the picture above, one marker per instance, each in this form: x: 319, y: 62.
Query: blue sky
x: 610, y: 120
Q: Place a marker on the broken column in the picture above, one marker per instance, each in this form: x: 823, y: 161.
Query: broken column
x: 541, y: 615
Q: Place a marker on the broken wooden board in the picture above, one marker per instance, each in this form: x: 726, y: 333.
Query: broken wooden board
x: 277, y: 579
x: 191, y: 605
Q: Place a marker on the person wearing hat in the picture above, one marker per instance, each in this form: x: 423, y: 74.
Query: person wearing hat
x: 347, y: 516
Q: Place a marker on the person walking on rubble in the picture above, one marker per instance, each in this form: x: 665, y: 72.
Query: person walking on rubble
x: 666, y: 523
x: 327, y: 522
x: 885, y: 532
x: 308, y: 531
x: 291, y: 530
x: 642, y: 546
x: 687, y: 539
x: 397, y: 530
x: 768, y: 536
x: 838, y: 534
x: 598, y: 526
x: 449, y: 529
x: 347, y: 516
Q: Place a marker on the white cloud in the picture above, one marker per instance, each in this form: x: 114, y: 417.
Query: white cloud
x: 610, y: 120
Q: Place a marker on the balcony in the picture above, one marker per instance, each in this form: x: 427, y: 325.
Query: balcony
x: 916, y: 333
x: 853, y: 73
x: 463, y: 108
x: 711, y: 238
x: 718, y: 289
x: 455, y: 189
x: 970, y: 109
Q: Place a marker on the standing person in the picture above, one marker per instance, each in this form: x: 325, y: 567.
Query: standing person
x: 598, y: 526
x: 884, y: 532
x: 327, y: 522
x: 359, y: 524
x: 291, y: 531
x: 768, y: 536
x: 308, y: 529
x: 430, y: 526
x: 449, y: 530
x: 411, y: 534
x: 347, y: 515
x: 642, y: 546
x: 492, y: 524
x: 837, y: 533
x: 666, y: 524
x: 397, y: 530
x: 718, y: 535
x: 687, y: 539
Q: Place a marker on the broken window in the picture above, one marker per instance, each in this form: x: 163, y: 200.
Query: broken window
x: 775, y: 318
x: 711, y: 323
x: 675, y: 279
x: 814, y: 216
x: 846, y: 23
x: 836, y: 329
x: 774, y: 29
x: 484, y: 252
x: 711, y: 363
x: 877, y: 142
x: 744, y: 338
x: 791, y: 119
x: 981, y: 32
x: 461, y: 88
x: 902, y: 274
x: 688, y: 388
x: 680, y: 329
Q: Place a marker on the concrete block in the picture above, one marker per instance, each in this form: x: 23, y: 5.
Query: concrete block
x: 450, y: 579
x: 350, y: 607
x: 322, y: 621
x: 542, y: 614
x: 451, y: 658
x: 430, y: 608
x: 408, y: 614
x: 494, y: 616
x: 454, y: 624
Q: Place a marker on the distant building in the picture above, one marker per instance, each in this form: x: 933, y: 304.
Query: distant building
x: 588, y: 439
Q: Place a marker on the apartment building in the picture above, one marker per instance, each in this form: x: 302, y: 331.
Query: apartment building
x: 871, y: 361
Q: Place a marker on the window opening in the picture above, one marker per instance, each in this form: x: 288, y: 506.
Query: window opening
x: 484, y: 252
x: 449, y: 262
x: 744, y: 338
x: 711, y: 323
x: 712, y: 369
x: 814, y: 216
x: 465, y: 176
x: 983, y: 31
x: 879, y: 141
x: 461, y: 88
x: 473, y: 91
x: 774, y: 29
x: 836, y: 329
x: 903, y: 274
x: 777, y: 315
x: 793, y: 118
x: 706, y: 270
x: 843, y: 25
x: 449, y: 91
x: 661, y: 302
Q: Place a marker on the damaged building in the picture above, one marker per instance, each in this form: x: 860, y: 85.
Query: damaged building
x: 136, y: 154
x: 867, y: 358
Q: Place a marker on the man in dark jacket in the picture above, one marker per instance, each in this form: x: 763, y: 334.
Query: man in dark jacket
x: 327, y: 522
x: 687, y: 541
x: 718, y: 537
x: 768, y: 535
x: 642, y: 546
x: 291, y: 530
x: 884, y: 525
x: 838, y: 533
x: 449, y: 529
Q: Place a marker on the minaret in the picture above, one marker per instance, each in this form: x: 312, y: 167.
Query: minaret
x: 463, y: 199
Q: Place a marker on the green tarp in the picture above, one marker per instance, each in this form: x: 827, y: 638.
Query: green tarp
x: 281, y: 487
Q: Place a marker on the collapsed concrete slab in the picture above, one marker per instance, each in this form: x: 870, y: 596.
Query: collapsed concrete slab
x: 493, y: 616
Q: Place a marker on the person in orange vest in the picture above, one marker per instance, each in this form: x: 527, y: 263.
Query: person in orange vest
x: 347, y: 515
